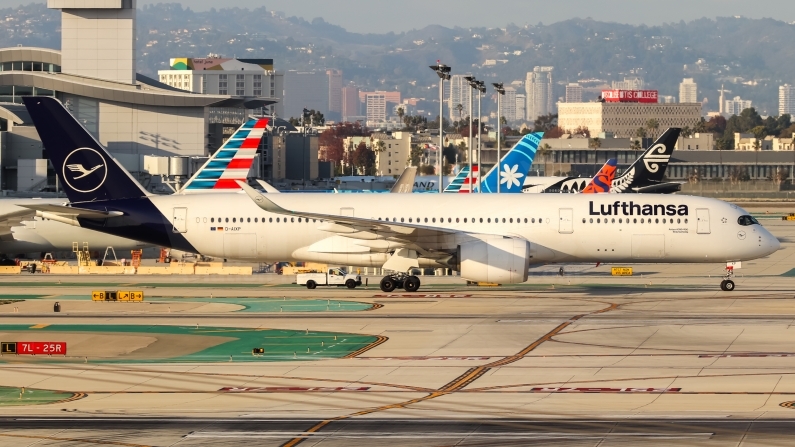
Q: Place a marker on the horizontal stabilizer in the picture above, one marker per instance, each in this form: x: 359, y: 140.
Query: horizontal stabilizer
x: 73, y: 212
x: 660, y: 188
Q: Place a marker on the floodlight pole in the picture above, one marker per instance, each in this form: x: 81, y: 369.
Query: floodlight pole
x: 443, y: 71
x: 498, y: 86
x: 481, y: 88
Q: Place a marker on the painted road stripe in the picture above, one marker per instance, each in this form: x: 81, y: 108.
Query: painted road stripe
x: 422, y: 296
x: 423, y: 358
x: 602, y: 390
x: 39, y: 326
x: 278, y: 389
x: 710, y: 356
x: 426, y: 435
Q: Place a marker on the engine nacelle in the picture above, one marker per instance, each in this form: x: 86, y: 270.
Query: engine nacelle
x: 502, y: 261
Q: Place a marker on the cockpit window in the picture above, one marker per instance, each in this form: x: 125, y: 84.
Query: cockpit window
x: 747, y: 220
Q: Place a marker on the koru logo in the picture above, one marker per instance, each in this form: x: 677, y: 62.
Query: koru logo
x: 655, y: 157
x: 85, y: 170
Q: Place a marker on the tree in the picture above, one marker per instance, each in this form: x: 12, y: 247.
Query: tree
x: 544, y: 151
x: 555, y: 132
x: 427, y: 170
x: 636, y: 145
x: 401, y: 113
x: 331, y: 140
x: 687, y: 132
x: 449, y: 153
x: 364, y: 159
x: 653, y: 125
x: 595, y: 143
x: 415, y: 155
x: 583, y: 131
x: 545, y: 122
x: 640, y: 132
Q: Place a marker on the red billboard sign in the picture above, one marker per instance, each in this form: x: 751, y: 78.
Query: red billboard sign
x: 41, y: 348
x: 642, y: 96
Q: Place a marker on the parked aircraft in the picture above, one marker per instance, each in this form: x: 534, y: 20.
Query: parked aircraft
x: 485, y: 237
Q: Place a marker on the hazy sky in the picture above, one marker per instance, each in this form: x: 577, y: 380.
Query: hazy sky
x: 402, y: 15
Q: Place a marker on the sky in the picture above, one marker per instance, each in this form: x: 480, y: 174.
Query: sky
x: 379, y: 16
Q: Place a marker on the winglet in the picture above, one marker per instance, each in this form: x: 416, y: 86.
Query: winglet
x: 260, y: 199
x: 268, y: 187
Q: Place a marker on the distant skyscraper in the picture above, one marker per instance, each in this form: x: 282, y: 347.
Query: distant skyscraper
x: 521, y: 107
x: 736, y: 106
x: 574, y: 92
x: 305, y: 90
x: 688, y: 91
x: 350, y: 102
x: 786, y: 100
x: 508, y: 104
x: 335, y: 91
x: 376, y: 108
x: 539, y: 92
x: 460, y: 92
x: 722, y: 100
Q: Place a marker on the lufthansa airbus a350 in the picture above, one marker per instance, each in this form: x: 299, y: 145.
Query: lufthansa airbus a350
x: 486, y: 237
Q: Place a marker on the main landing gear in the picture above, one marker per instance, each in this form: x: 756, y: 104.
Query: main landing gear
x: 400, y: 281
x: 727, y: 285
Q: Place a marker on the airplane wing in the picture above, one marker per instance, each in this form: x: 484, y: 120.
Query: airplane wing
x: 13, y: 219
x: 70, y: 211
x: 405, y: 183
x: 432, y: 242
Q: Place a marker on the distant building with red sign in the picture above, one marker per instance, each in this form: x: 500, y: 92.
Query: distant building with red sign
x: 641, y: 96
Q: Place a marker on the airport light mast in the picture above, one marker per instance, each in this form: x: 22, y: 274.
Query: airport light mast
x: 444, y: 75
x: 473, y: 83
x: 498, y: 86
x: 481, y: 88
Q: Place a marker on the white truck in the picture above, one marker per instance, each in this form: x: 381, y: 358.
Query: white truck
x: 334, y: 276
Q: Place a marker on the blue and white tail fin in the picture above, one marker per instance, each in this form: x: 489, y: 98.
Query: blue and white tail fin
x: 87, y: 172
x: 231, y: 162
x: 511, y: 171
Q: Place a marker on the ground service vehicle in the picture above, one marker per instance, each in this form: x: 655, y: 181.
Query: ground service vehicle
x: 332, y: 277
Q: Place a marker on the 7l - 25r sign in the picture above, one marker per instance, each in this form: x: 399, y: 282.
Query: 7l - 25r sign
x: 34, y: 348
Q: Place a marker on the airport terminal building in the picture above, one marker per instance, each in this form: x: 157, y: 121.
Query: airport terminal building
x: 94, y: 76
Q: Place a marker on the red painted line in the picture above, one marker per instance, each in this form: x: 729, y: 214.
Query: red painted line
x: 602, y: 390
x: 281, y: 389
x: 422, y: 296
x: 424, y: 358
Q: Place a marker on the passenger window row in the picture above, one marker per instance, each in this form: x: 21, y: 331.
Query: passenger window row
x: 458, y: 220
x: 634, y: 220
x: 256, y: 220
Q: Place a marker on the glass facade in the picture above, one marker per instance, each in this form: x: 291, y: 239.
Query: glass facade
x: 14, y: 93
x: 29, y: 66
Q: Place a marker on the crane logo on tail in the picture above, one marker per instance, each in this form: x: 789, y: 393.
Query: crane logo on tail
x: 85, y: 170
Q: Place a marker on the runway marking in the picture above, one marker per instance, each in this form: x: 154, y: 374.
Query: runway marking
x: 790, y: 404
x: 39, y: 326
x: 425, y: 435
x: 277, y: 389
x: 422, y: 296
x: 85, y: 441
x: 380, y: 339
x: 602, y: 390
x: 459, y: 382
x: 711, y: 356
x: 423, y: 358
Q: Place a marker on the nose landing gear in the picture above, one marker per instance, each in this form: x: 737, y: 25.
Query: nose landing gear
x: 727, y: 285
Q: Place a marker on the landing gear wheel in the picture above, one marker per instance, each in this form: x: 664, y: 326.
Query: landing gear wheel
x: 387, y: 284
x: 351, y: 284
x: 411, y: 284
x: 727, y: 285
x: 311, y: 284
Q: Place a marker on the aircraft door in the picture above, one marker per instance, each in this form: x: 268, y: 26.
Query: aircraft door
x: 702, y: 216
x: 180, y: 220
x: 566, y: 221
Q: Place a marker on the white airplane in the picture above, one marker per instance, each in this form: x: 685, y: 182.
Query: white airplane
x: 486, y: 237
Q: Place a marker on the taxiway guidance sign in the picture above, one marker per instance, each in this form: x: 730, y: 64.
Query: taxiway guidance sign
x: 34, y: 348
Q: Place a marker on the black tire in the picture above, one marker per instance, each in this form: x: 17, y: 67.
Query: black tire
x: 311, y: 284
x: 387, y: 284
x: 728, y: 285
x: 411, y: 284
x: 351, y: 283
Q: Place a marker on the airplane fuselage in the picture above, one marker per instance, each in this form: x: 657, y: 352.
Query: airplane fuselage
x: 560, y: 228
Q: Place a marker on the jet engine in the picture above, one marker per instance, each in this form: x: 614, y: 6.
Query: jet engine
x: 503, y: 261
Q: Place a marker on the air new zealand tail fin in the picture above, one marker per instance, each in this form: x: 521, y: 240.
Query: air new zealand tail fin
x: 511, y: 171
x: 86, y: 171
x: 649, y: 168
x: 603, y: 179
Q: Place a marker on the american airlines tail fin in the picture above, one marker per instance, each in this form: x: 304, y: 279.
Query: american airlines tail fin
x: 231, y: 162
x: 603, y: 179
x: 87, y: 172
x: 649, y: 169
x: 511, y: 171
x: 405, y: 183
x: 460, y: 180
